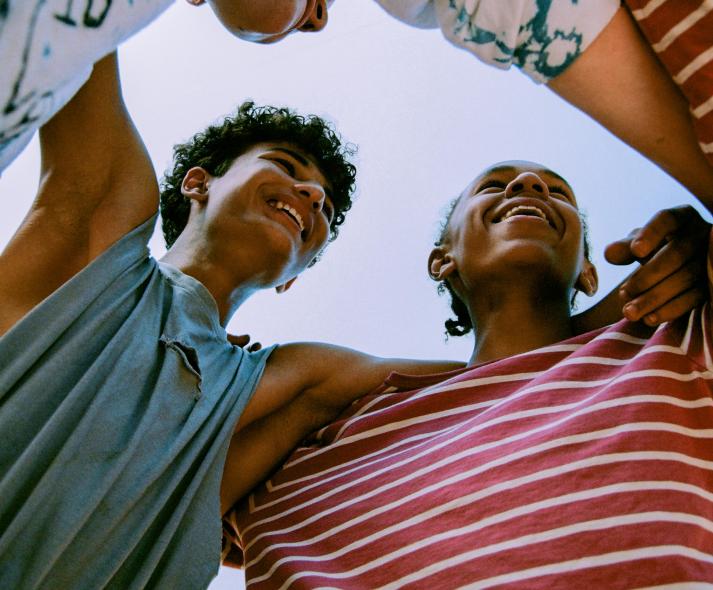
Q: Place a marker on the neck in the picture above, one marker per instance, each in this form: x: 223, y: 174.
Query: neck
x: 510, y: 321
x: 230, y: 289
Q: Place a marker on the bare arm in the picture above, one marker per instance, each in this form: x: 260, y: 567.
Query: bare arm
x: 304, y: 387
x: 96, y: 184
x: 620, y: 83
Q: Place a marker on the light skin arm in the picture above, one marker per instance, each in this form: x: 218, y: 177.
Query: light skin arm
x: 97, y: 183
x: 305, y: 386
x: 620, y: 83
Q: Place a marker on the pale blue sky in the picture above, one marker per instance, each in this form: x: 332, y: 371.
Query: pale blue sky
x: 426, y: 116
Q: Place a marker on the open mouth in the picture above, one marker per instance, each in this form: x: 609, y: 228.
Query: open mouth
x: 525, y: 211
x: 290, y: 212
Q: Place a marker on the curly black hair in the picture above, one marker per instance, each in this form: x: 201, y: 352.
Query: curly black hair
x: 462, y: 324
x: 220, y: 144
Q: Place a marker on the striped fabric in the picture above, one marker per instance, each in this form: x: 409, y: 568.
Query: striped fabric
x: 588, y: 463
x: 681, y: 33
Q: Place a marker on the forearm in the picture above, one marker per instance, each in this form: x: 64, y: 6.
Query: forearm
x: 620, y: 83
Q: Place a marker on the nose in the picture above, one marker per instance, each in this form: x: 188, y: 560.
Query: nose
x: 317, y: 19
x: 527, y: 182
x: 313, y: 191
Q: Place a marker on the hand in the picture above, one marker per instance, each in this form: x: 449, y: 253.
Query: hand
x: 672, y: 249
x: 242, y: 341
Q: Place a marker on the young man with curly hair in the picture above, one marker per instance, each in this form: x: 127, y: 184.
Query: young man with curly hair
x: 119, y: 391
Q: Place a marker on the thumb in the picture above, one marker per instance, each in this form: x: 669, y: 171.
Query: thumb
x: 619, y: 252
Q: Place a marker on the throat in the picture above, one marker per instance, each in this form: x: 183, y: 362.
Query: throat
x: 515, y: 325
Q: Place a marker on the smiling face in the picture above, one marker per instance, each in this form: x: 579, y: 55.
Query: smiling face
x: 271, y: 206
x: 268, y: 21
x: 516, y: 218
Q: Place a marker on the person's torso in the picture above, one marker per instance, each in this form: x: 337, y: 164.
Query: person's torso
x: 584, y: 463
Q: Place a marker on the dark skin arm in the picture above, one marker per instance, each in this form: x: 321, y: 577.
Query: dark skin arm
x: 671, y: 278
x: 97, y: 183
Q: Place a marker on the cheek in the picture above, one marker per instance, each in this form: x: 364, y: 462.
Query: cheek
x: 321, y: 235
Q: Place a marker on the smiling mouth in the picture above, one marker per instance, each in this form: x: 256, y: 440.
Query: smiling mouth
x: 524, y: 211
x: 289, y: 211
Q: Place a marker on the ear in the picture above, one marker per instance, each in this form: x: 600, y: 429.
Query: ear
x: 588, y: 280
x: 282, y: 288
x: 195, y: 184
x: 440, y: 264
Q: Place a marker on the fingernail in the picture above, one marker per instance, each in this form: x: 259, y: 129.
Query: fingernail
x: 624, y: 294
x: 630, y: 311
x: 652, y: 319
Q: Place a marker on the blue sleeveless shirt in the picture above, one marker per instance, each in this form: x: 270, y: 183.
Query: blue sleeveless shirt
x: 118, y: 397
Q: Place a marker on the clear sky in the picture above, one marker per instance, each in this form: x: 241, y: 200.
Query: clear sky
x: 427, y: 118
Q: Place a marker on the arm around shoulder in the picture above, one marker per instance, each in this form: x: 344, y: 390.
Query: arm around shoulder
x: 305, y: 386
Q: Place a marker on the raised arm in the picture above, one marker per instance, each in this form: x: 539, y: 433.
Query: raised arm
x: 304, y: 387
x: 620, y: 83
x: 97, y: 183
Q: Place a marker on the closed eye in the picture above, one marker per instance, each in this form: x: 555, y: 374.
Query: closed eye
x: 491, y: 184
x: 328, y: 211
x: 286, y: 164
x: 558, y: 191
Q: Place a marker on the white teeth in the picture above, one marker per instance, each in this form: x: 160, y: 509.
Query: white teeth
x: 293, y: 213
x: 521, y: 208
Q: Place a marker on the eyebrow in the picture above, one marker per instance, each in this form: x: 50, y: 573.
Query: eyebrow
x: 504, y: 169
x: 304, y: 161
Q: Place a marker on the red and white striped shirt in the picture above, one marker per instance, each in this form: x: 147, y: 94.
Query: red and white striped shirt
x: 681, y: 33
x: 585, y: 463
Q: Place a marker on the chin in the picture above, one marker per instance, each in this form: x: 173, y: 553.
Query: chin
x: 532, y: 256
x: 279, y: 255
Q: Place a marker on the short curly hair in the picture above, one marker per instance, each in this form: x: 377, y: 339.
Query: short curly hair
x: 220, y: 144
x: 462, y: 324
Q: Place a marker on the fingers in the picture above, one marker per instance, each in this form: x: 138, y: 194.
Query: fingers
x: 668, y: 260
x: 242, y: 341
x: 660, y: 227
x: 667, y: 299
x: 676, y: 307
x: 671, y: 279
x: 642, y: 242
x: 619, y: 252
